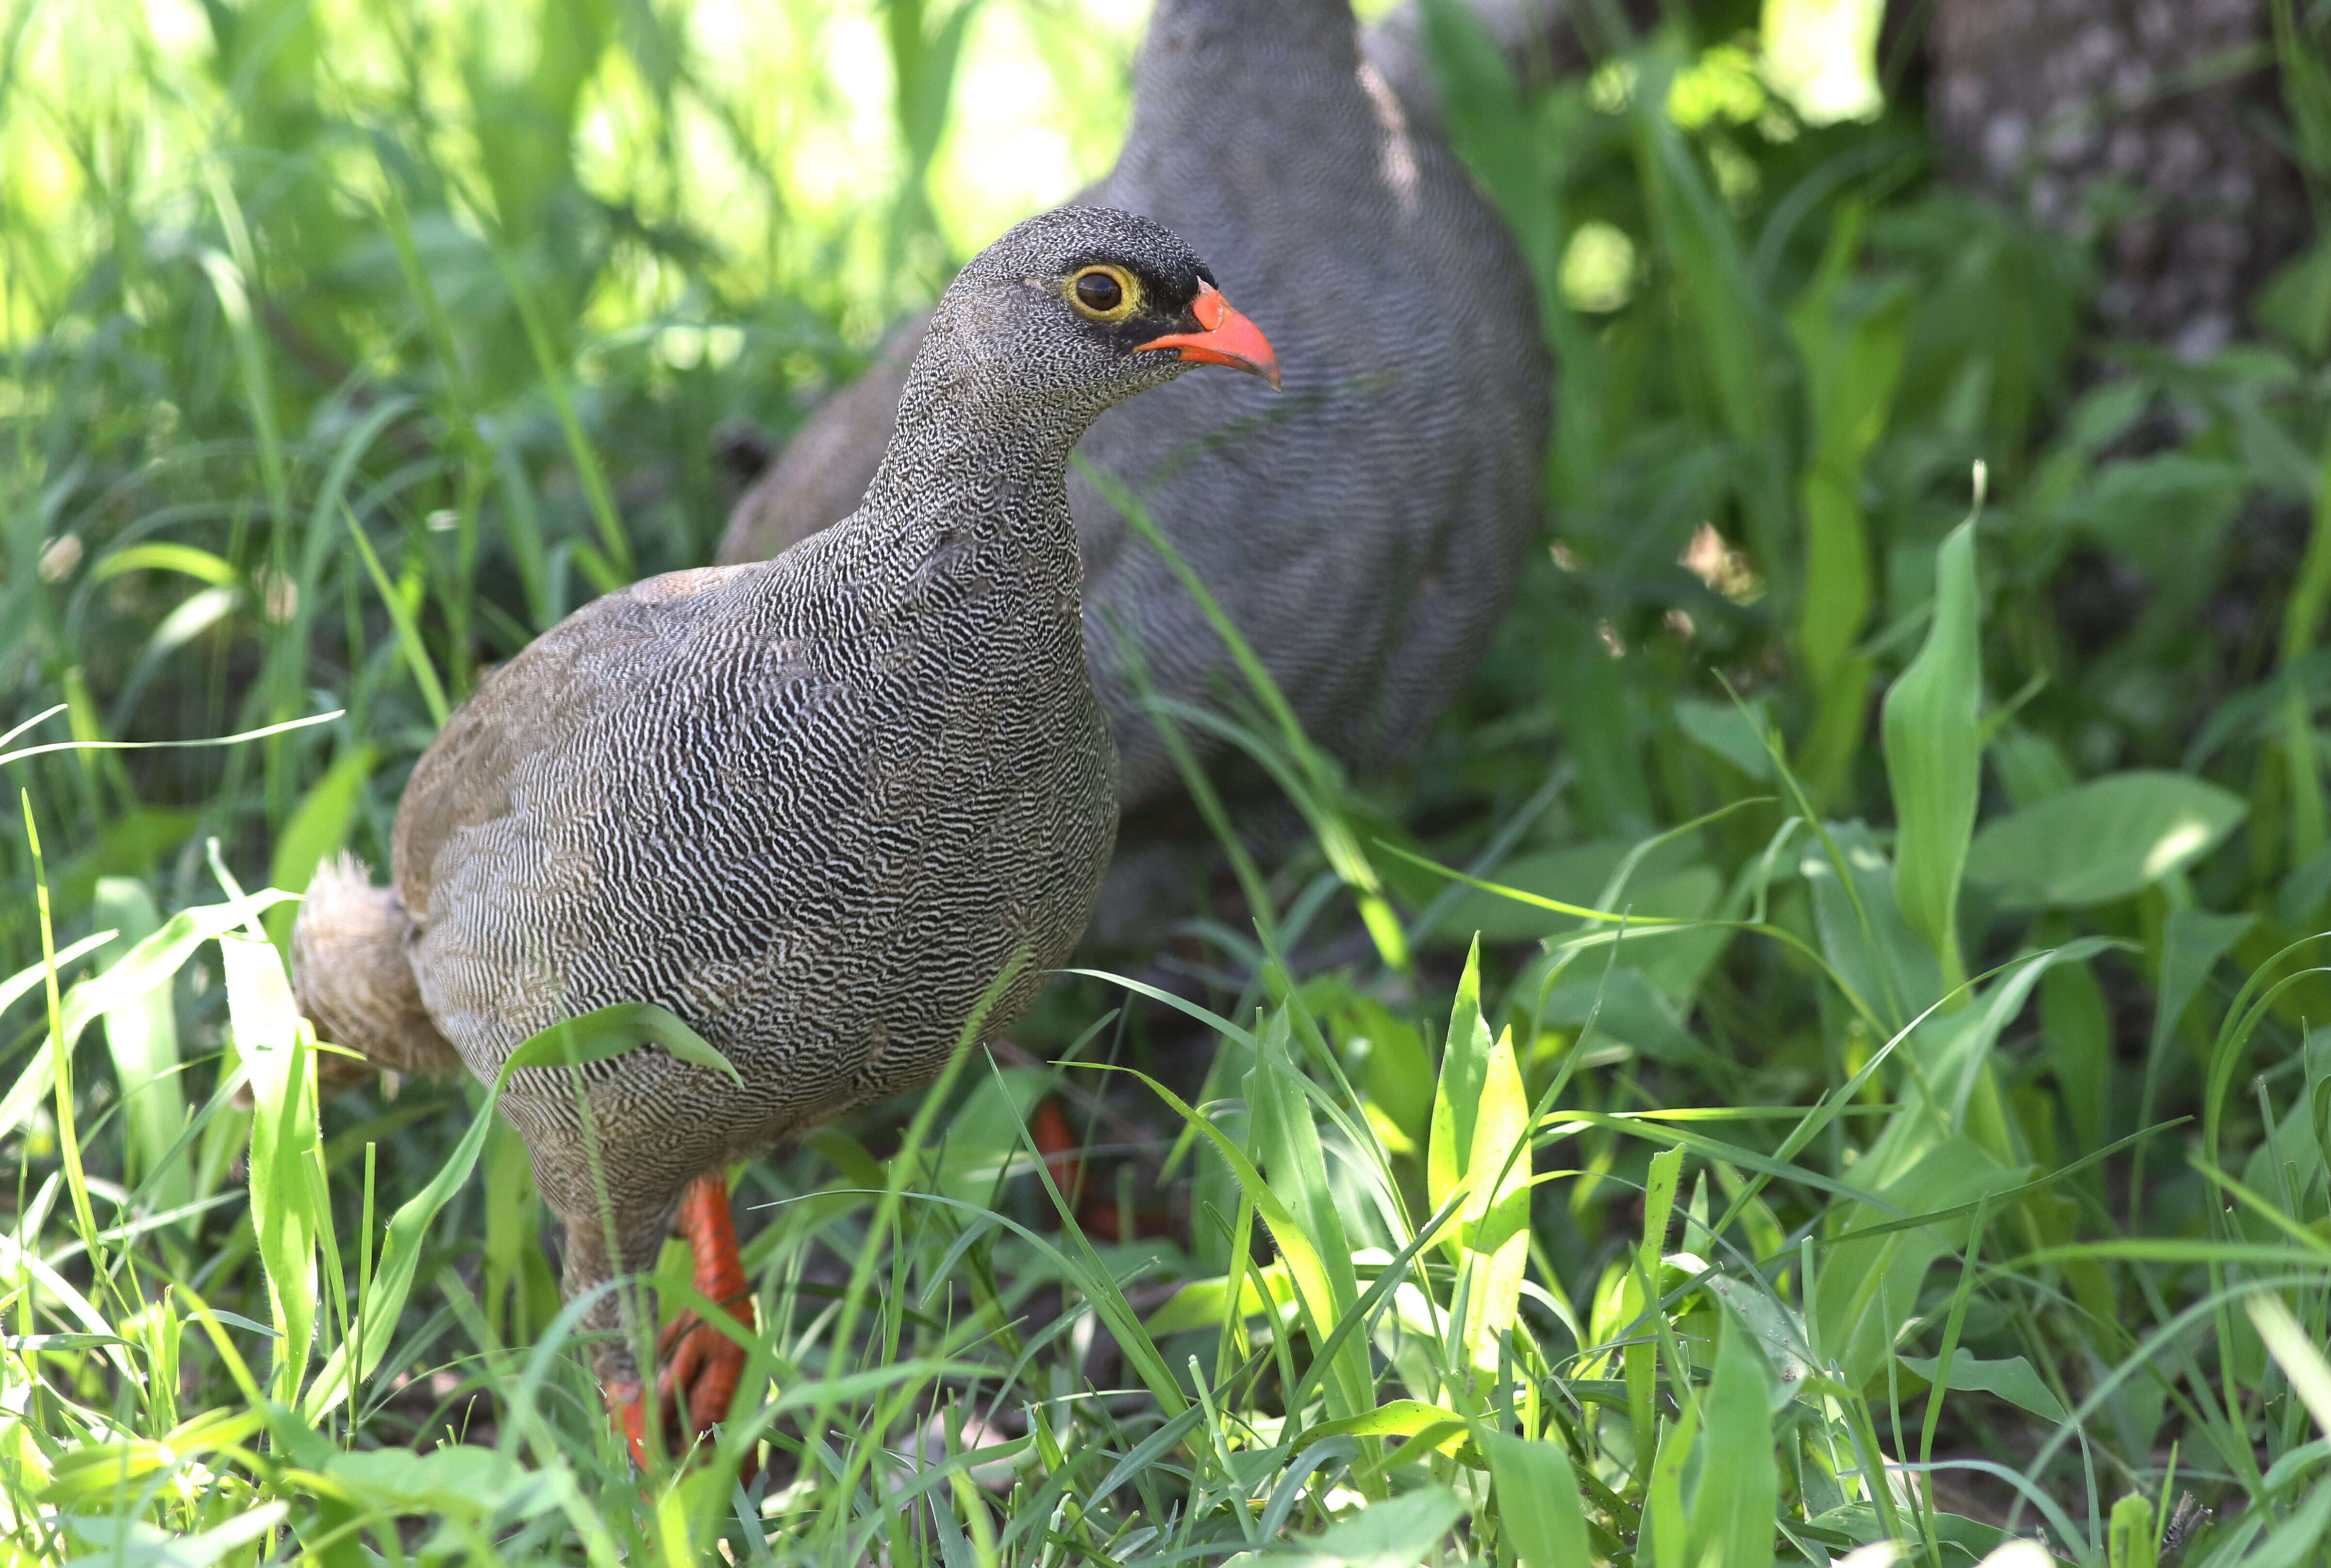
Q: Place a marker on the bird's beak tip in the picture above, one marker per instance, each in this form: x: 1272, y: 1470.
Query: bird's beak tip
x: 1225, y: 336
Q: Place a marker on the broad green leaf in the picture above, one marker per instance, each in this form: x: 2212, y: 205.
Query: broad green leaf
x: 1287, y: 1145
x: 2295, y: 1351
x: 1725, y: 730
x: 1869, y: 1289
x: 462, y: 1483
x: 151, y: 963
x: 1934, y: 754
x: 1736, y: 1496
x: 1201, y: 1303
x: 984, y: 1136
x: 1480, y: 1141
x: 2130, y: 1537
x: 133, y: 844
x: 520, y: 1292
x: 1398, y: 1418
x: 1397, y: 1533
x: 2013, y: 1380
x: 1966, y: 1541
x: 1538, y: 1506
x: 2078, y: 1029
x: 2165, y: 514
x: 1626, y: 1005
x: 1666, y: 1511
x: 131, y: 1543
x: 1640, y: 1359
x: 2102, y: 841
x: 1865, y: 934
x: 1953, y: 1091
x: 2030, y: 766
x: 1850, y: 334
x: 2192, y: 943
x: 141, y: 1034
x: 1456, y: 1103
x: 1669, y: 883
x: 1395, y: 1070
x: 2295, y: 301
x: 98, y: 1470
x: 1779, y: 1331
x: 277, y: 1046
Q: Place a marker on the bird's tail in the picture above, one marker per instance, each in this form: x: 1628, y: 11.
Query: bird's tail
x: 352, y: 967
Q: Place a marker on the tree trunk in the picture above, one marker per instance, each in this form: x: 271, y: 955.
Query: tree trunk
x: 2148, y: 124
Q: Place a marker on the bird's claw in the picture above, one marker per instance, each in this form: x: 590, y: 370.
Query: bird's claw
x: 702, y: 1366
x: 702, y: 1369
x: 627, y: 1410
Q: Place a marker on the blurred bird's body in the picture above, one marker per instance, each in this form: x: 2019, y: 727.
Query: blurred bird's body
x: 1364, y: 533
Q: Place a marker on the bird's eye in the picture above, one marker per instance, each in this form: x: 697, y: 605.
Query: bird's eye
x: 1104, y: 293
x: 1100, y: 291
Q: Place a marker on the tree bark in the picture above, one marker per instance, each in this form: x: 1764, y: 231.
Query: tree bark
x: 2149, y: 125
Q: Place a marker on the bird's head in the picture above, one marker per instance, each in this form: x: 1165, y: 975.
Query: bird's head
x: 1087, y: 306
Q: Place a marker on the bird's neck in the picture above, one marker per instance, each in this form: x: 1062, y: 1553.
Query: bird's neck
x: 959, y: 463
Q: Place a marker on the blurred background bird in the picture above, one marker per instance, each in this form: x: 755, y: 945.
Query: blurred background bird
x: 1365, y: 534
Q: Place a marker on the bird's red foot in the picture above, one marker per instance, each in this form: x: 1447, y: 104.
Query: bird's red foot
x: 627, y: 1410
x: 1097, y: 1216
x: 1048, y: 1129
x: 702, y: 1366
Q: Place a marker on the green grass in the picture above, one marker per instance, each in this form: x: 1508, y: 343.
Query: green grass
x: 1880, y: 1102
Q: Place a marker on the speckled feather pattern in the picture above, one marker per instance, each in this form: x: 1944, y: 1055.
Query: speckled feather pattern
x: 1364, y: 531
x: 815, y: 806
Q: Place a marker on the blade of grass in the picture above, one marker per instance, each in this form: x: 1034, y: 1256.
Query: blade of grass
x: 408, y: 632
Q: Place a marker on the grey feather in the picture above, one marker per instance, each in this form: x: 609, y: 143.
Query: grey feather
x: 815, y: 806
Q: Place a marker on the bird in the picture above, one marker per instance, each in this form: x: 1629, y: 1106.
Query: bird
x: 815, y: 806
x: 1407, y: 456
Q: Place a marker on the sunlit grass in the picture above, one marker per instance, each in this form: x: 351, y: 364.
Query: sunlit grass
x: 1895, y: 971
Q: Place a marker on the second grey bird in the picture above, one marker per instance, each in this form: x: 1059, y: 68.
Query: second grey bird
x: 817, y: 806
x: 1364, y: 532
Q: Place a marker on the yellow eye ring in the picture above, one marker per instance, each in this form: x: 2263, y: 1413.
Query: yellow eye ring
x: 1101, y: 292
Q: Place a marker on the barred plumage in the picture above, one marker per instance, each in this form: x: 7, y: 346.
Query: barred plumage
x: 814, y: 806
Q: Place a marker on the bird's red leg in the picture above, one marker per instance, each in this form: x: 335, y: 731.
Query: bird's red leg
x: 1048, y: 1128
x: 627, y: 1408
x: 1097, y: 1215
x: 702, y: 1365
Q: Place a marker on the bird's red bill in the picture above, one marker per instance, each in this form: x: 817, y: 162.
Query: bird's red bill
x: 1226, y: 338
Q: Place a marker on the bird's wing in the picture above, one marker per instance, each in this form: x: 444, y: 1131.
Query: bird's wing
x: 529, y: 705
